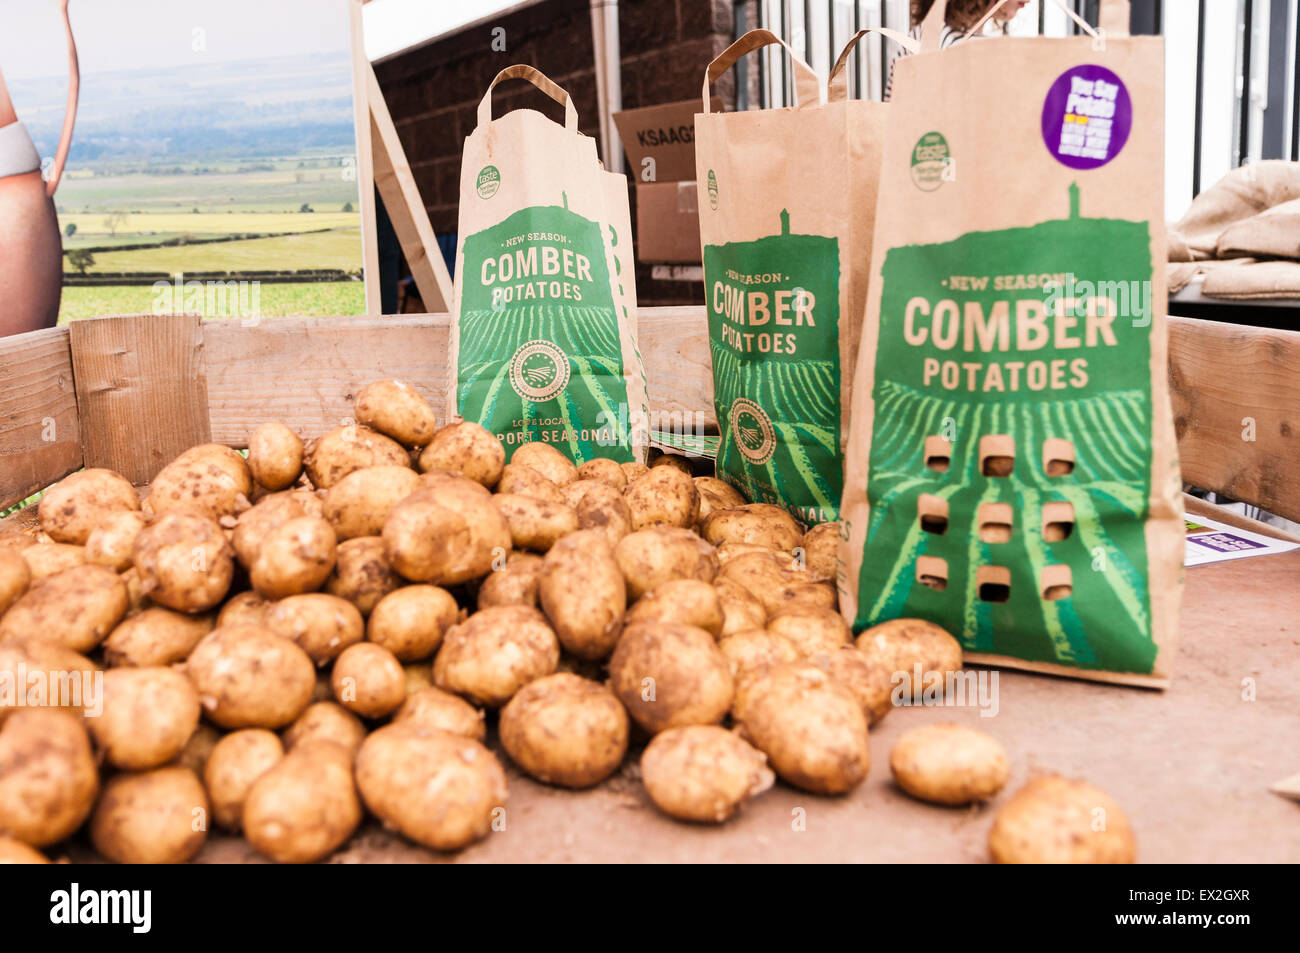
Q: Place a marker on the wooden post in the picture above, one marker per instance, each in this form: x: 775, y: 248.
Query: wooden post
x: 365, y: 166
x: 40, y: 441
x: 142, y: 390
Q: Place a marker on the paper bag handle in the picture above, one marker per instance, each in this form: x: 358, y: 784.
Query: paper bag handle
x: 70, y: 112
x: 806, y: 86
x: 538, y: 79
x: 837, y: 87
x: 1112, y: 20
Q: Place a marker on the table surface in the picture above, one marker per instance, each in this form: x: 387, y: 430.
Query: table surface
x: 1191, y: 765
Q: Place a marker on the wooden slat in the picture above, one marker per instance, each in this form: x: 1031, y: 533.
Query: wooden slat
x: 141, y: 390
x: 1223, y: 377
x: 674, y: 345
x: 365, y: 163
x: 40, y: 436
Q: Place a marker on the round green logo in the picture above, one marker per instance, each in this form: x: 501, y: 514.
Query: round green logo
x: 752, y: 430
x: 931, y: 162
x: 489, y: 180
x: 539, y: 370
x: 713, y: 190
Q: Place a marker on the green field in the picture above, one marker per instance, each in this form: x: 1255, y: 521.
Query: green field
x: 336, y: 249
x: 283, y: 189
x: 274, y: 300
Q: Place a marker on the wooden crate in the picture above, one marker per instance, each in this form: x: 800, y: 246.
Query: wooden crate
x: 130, y: 393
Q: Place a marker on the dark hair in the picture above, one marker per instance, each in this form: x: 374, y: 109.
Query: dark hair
x: 961, y: 15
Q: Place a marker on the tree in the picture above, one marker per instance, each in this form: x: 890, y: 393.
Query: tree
x: 81, y: 259
x: 71, y: 229
x: 114, y: 220
x: 347, y: 206
x: 306, y: 208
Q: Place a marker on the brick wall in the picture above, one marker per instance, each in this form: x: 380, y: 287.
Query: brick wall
x: 433, y: 89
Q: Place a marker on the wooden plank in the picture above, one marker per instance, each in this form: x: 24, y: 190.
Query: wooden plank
x: 1236, y: 401
x: 404, y: 205
x: 141, y: 390
x: 40, y: 434
x: 365, y: 161
x: 674, y: 346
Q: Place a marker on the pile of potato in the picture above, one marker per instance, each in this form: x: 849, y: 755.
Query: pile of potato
x: 290, y: 640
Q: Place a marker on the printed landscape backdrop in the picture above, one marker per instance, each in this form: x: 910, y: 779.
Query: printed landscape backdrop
x: 214, y: 140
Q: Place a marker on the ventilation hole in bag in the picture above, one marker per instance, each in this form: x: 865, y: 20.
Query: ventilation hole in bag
x: 933, y: 513
x: 938, y: 454
x: 1056, y: 583
x: 997, y: 455
x: 1058, y: 521
x: 1058, y: 457
x: 931, y: 571
x: 995, y: 522
x: 994, y: 583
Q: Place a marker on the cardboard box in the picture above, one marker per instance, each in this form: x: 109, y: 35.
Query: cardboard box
x: 667, y: 222
x: 664, y: 133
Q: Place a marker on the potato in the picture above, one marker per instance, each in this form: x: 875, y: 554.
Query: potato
x: 14, y: 578
x: 674, y: 460
x: 865, y: 677
x: 535, y: 524
x: 327, y: 721
x: 687, y: 601
x: 411, y: 621
x: 603, y: 470
x: 111, y: 541
x: 295, y: 557
x: 236, y: 761
x: 269, y: 513
x: 155, y: 636
x: 670, y: 675
x: 664, y: 496
x: 48, y: 780
x: 468, y: 449
x: 632, y: 470
x: 345, y: 450
x: 198, y: 749
x: 1056, y: 820
x: 246, y: 608
x: 320, y: 624
x: 902, y: 644
x: 821, y: 551
x: 547, y: 461
x: 275, y: 456
x: 949, y: 764
x: 358, y: 504
x: 600, y: 507
x: 184, y: 562
x: 73, y: 507
x: 77, y: 608
x: 305, y: 806
x: 440, y: 790
x: 496, y: 652
x: 48, y: 674
x: 16, y: 852
x: 368, y: 680
x: 729, y: 551
x: 211, y: 480
x: 525, y: 481
x: 514, y: 584
x: 740, y: 610
x: 653, y: 556
x: 759, y: 524
x: 583, y: 594
x: 446, y: 488
x: 47, y: 559
x: 444, y: 537
x: 750, y: 652
x: 149, y: 715
x: 151, y: 817
x: 444, y: 711
x: 811, y: 728
x: 248, y: 677
x: 565, y: 730
x: 396, y: 410
x: 361, y: 573
x: 768, y: 579
x: 812, y: 629
x: 703, y: 772
x: 418, y: 676
x: 715, y: 495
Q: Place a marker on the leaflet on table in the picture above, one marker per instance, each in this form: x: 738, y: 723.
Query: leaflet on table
x: 1209, y: 541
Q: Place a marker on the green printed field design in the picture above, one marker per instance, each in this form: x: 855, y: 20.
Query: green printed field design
x: 1105, y: 620
x: 563, y: 351
x: 776, y: 376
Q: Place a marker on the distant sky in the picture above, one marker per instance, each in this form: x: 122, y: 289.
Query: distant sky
x: 128, y: 34
x: 392, y: 25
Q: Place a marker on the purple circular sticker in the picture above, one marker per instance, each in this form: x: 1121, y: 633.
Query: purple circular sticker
x: 1086, y: 117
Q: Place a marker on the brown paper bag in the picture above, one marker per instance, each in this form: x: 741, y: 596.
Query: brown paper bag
x: 787, y: 199
x: 543, y: 341
x: 1012, y: 472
